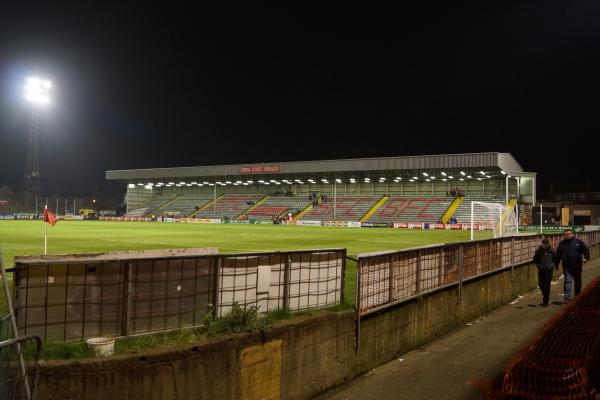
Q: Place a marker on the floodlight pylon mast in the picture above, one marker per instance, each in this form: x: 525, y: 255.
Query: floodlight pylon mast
x: 31, y: 185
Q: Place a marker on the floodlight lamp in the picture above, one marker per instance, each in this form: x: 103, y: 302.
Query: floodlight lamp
x: 461, y: 179
x: 147, y: 187
x: 462, y: 173
x: 338, y: 181
x: 411, y: 180
x: 425, y: 174
x: 482, y: 173
x: 36, y: 90
x: 450, y: 177
x: 249, y: 181
x: 428, y: 180
x: 228, y: 182
x: 415, y: 177
x: 445, y: 180
x: 443, y: 173
x: 131, y: 185
x: 469, y: 177
x: 478, y: 179
x: 502, y: 172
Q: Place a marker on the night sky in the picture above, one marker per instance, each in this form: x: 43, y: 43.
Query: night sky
x: 142, y: 87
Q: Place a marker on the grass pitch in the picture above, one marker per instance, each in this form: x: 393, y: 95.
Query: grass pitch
x: 19, y: 238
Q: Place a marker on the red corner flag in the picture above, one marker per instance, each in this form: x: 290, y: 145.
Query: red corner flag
x: 49, y: 217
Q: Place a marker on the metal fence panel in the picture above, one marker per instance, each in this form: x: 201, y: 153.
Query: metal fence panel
x: 80, y: 298
x: 387, y: 278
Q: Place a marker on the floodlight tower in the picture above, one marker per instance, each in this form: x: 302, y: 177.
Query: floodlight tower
x: 36, y: 92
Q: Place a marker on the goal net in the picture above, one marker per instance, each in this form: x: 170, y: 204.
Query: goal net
x: 493, y: 220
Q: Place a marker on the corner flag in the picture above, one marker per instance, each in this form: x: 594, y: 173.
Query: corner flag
x: 49, y: 217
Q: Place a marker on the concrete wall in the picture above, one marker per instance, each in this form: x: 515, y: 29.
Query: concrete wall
x: 298, y: 359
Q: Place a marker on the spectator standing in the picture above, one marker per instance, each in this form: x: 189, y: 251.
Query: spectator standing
x: 573, y: 253
x: 544, y: 260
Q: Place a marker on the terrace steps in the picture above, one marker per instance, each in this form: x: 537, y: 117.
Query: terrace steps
x: 453, y: 206
x: 192, y: 215
x: 374, y: 209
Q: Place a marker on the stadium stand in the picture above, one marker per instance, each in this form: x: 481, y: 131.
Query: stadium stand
x: 348, y: 208
x: 186, y: 204
x: 276, y: 205
x: 138, y: 212
x: 151, y: 206
x: 388, y: 189
x: 230, y: 206
x: 463, y: 212
x: 406, y: 208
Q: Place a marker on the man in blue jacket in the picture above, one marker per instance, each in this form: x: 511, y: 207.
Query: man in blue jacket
x: 573, y: 253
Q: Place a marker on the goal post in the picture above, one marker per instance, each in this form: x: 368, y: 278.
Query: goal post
x: 493, y: 220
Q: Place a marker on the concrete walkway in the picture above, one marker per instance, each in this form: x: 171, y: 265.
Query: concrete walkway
x: 478, y: 350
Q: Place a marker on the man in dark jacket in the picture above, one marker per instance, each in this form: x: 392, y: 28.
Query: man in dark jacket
x: 573, y: 253
x: 544, y: 260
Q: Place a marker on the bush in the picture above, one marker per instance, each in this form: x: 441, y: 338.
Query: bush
x: 240, y: 319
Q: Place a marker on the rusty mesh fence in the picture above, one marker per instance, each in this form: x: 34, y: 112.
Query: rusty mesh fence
x: 78, y: 297
x: 384, y: 279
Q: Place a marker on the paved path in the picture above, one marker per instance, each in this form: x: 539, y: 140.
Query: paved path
x: 480, y: 349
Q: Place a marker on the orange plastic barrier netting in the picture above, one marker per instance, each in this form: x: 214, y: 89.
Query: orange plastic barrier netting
x: 563, y: 362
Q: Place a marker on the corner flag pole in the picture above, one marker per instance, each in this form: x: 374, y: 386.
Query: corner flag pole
x: 45, y: 230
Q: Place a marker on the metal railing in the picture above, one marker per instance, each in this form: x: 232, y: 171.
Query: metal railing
x: 76, y: 298
x: 387, y: 278
x: 14, y: 381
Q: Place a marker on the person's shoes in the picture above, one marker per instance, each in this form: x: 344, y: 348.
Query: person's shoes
x: 544, y: 304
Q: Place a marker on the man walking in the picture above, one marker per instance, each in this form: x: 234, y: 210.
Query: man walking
x: 544, y: 260
x: 573, y: 253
